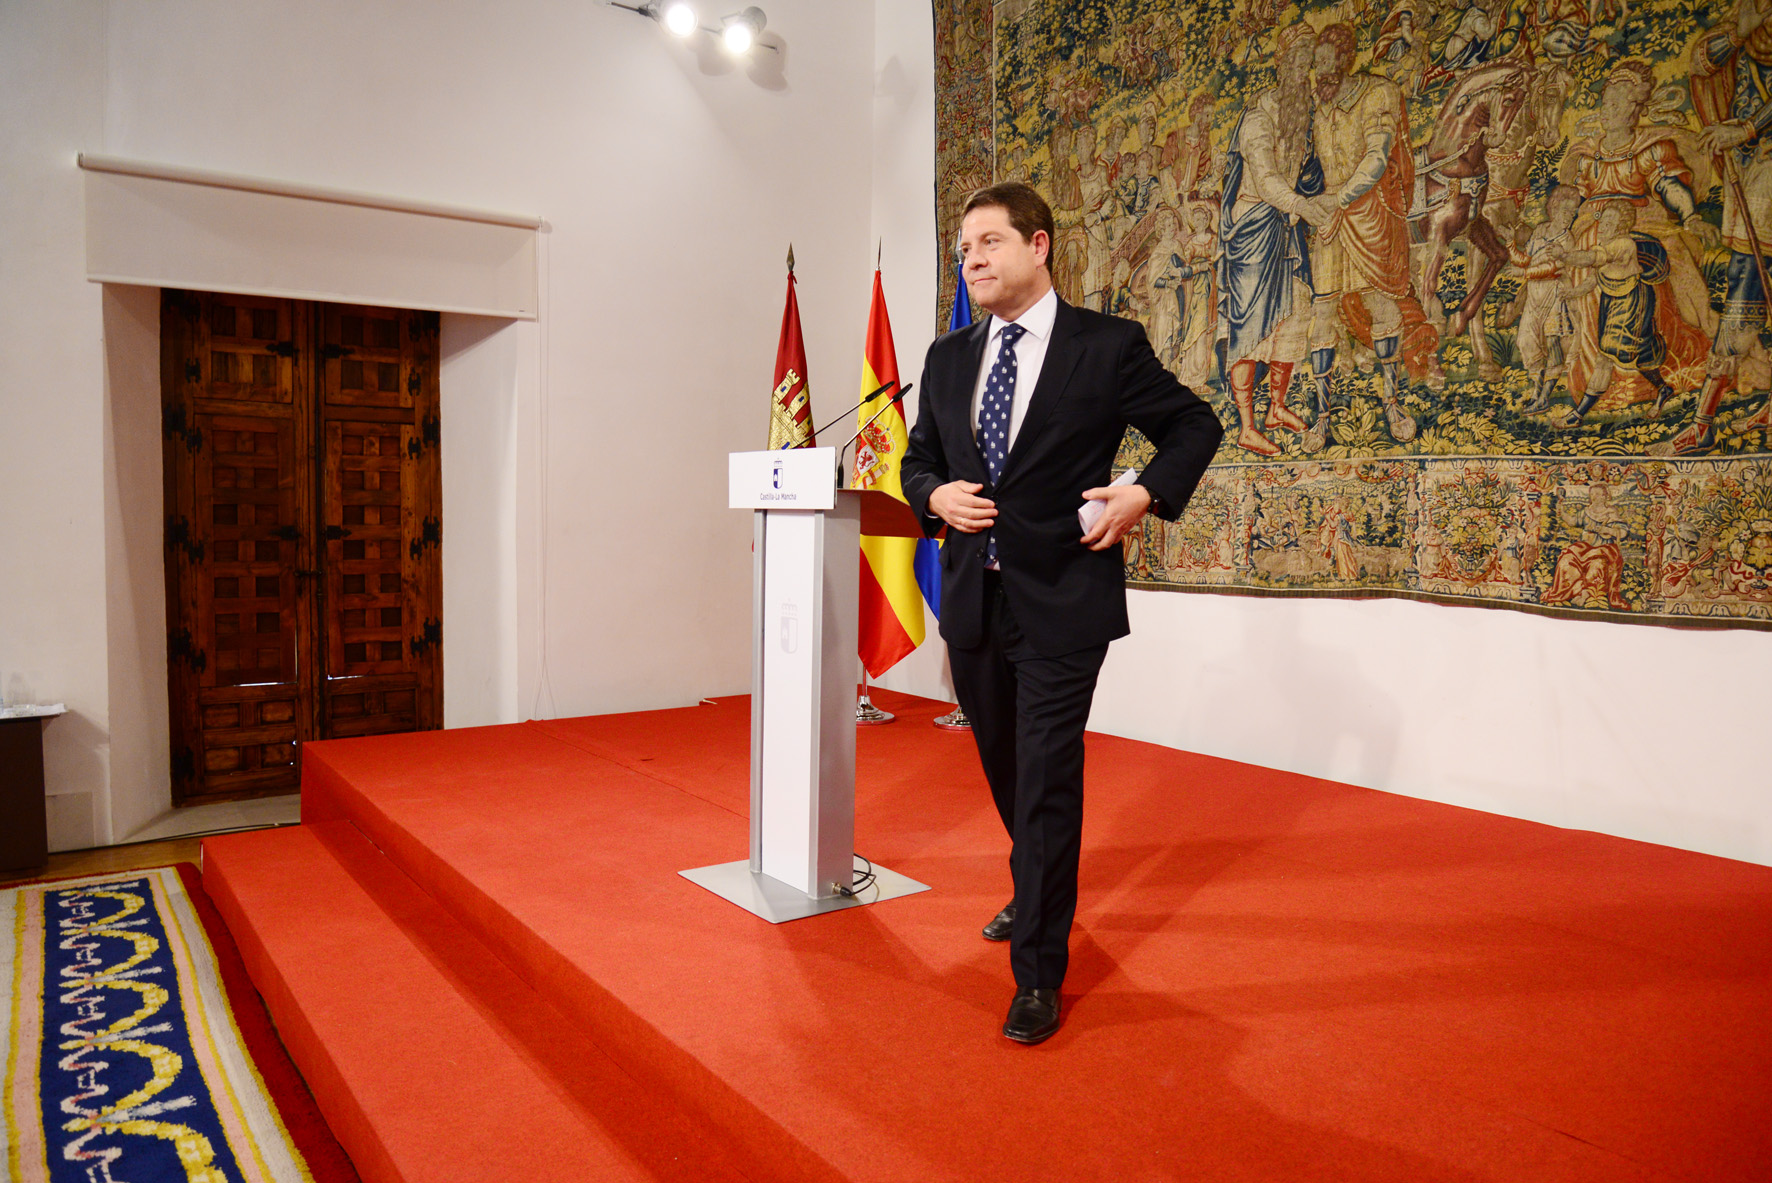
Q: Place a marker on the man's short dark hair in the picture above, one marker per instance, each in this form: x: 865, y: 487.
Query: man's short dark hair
x: 1027, y: 210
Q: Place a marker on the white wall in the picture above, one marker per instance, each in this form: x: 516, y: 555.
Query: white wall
x: 590, y: 445
x: 52, y: 446
x: 1641, y: 731
x: 135, y: 567
x: 485, y: 365
x: 1634, y: 730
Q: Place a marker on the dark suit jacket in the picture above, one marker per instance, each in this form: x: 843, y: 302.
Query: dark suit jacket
x: 1099, y: 375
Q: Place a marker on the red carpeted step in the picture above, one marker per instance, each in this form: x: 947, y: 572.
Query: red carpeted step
x: 430, y: 1059
x: 613, y: 839
x: 1274, y: 977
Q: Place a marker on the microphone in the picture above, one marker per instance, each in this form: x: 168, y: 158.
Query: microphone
x: 865, y: 400
x: 890, y: 403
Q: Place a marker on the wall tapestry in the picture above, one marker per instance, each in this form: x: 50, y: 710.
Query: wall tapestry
x: 1478, y: 287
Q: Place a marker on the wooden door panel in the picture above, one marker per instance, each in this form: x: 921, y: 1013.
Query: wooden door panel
x: 237, y: 506
x: 247, y: 477
x: 379, y: 504
x: 373, y: 705
x: 364, y: 548
x: 246, y: 496
x: 363, y: 355
x: 249, y: 739
x: 248, y: 349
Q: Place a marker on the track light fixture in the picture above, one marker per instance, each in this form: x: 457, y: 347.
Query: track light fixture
x: 737, y: 32
x: 677, y: 16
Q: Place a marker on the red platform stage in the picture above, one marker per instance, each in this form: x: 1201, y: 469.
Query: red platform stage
x: 480, y: 954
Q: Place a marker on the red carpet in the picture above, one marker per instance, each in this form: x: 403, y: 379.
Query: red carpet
x: 1273, y: 977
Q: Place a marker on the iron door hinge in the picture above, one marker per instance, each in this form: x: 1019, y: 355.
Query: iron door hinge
x: 181, y: 648
x: 430, y: 432
x: 432, y: 536
x: 432, y: 637
x: 174, y: 426
x: 178, y: 537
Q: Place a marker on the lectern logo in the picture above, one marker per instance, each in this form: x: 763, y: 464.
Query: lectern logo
x: 775, y: 475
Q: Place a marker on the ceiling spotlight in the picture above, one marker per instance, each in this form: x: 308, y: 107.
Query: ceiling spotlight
x: 740, y: 30
x: 676, y: 16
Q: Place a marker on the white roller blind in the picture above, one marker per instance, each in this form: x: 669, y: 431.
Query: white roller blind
x: 166, y: 226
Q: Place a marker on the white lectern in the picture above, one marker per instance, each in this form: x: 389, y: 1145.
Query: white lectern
x: 805, y: 571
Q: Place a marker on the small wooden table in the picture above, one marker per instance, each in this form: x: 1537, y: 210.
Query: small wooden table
x: 24, y: 823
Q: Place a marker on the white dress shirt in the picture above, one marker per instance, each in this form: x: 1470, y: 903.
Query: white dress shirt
x: 1030, y: 355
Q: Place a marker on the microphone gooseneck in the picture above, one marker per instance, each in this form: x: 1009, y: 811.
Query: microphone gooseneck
x: 890, y: 403
x: 869, y: 397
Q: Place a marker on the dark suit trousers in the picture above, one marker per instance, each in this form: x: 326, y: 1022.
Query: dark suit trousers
x: 1027, y: 715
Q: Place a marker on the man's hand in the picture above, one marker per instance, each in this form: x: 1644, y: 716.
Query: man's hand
x: 956, y: 504
x: 1126, y: 504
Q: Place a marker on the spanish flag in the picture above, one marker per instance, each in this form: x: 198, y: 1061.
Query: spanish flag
x: 790, y: 405
x: 891, y: 602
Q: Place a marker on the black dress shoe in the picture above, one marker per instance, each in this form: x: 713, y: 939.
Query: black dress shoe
x: 1033, y: 1015
x: 998, y: 929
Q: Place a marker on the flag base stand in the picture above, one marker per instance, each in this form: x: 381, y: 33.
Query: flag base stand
x: 869, y: 715
x: 954, y: 720
x: 866, y: 713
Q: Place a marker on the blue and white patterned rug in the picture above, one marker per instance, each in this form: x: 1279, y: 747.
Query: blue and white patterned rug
x: 123, y: 1059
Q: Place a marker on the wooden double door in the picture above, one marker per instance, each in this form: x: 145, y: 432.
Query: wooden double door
x: 303, y: 532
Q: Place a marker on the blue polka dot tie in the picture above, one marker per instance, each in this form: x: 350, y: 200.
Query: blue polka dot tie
x: 993, y: 418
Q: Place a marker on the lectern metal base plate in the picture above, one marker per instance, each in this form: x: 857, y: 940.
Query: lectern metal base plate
x: 776, y: 902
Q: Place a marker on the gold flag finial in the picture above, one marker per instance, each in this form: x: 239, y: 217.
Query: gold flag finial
x: 790, y: 258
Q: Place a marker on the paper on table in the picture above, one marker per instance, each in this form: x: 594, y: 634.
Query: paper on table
x: 1092, y: 510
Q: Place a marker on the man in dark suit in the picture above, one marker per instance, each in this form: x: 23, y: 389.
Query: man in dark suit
x: 1021, y: 417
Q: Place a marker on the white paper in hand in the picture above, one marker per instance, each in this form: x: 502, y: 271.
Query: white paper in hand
x: 1092, y: 510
